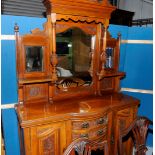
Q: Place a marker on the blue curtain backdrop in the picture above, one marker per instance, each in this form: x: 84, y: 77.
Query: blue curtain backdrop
x: 135, y: 60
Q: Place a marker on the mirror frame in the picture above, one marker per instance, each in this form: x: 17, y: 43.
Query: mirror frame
x: 89, y: 29
x: 33, y: 40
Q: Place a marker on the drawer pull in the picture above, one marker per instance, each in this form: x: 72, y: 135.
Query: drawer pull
x: 100, y: 121
x: 85, y: 125
x: 84, y: 135
x: 99, y: 132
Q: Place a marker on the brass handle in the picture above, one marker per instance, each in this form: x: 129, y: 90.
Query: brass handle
x: 85, y: 125
x: 84, y: 135
x: 99, y: 132
x: 100, y: 121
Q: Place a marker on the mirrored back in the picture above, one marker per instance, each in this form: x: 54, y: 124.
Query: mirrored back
x: 74, y: 49
x: 34, y: 58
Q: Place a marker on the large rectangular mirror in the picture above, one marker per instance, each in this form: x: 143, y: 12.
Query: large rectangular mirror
x: 74, y: 50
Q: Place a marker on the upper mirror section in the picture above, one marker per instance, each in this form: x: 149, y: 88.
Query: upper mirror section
x: 74, y: 57
x: 34, y: 58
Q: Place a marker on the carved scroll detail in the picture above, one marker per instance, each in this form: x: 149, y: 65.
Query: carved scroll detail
x: 80, y: 18
x: 61, y: 28
x: 37, y: 31
x: 64, y: 26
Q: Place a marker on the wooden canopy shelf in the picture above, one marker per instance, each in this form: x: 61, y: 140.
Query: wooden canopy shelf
x: 111, y: 74
x: 34, y: 80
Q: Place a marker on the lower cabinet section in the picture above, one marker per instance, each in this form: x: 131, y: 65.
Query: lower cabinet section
x: 53, y: 138
x: 49, y: 129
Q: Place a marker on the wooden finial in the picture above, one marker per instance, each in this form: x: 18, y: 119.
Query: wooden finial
x: 53, y: 17
x: 16, y: 28
x: 119, y: 35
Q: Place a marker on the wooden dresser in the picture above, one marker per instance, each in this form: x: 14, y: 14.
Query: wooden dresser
x: 68, y: 80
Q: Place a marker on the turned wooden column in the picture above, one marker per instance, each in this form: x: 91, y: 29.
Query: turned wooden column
x: 20, y: 86
x: 117, y: 58
x: 103, y: 53
x: 53, y: 57
x: 91, y: 69
x: 54, y: 60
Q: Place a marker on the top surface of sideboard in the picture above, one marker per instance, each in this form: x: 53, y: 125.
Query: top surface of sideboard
x: 74, y: 107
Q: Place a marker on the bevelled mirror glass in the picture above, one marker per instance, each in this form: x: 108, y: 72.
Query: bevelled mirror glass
x: 109, y: 57
x: 74, y: 51
x: 34, y: 58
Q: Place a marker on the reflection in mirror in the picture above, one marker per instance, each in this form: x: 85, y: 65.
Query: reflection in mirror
x: 34, y: 58
x: 74, y: 58
x: 109, y: 57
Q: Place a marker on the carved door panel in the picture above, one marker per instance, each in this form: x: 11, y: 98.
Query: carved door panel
x: 123, y: 119
x: 51, y: 139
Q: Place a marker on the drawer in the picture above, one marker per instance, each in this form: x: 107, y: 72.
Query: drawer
x: 92, y: 134
x: 88, y: 124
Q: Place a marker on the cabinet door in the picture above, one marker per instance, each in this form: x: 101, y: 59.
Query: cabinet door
x: 123, y: 119
x: 48, y: 139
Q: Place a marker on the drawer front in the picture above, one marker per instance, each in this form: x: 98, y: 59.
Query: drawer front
x: 88, y: 124
x: 91, y: 134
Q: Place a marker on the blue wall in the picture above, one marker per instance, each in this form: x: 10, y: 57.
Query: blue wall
x: 136, y: 61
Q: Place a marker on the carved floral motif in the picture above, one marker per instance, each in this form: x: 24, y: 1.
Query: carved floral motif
x: 34, y: 91
x: 48, y: 146
x: 107, y: 83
